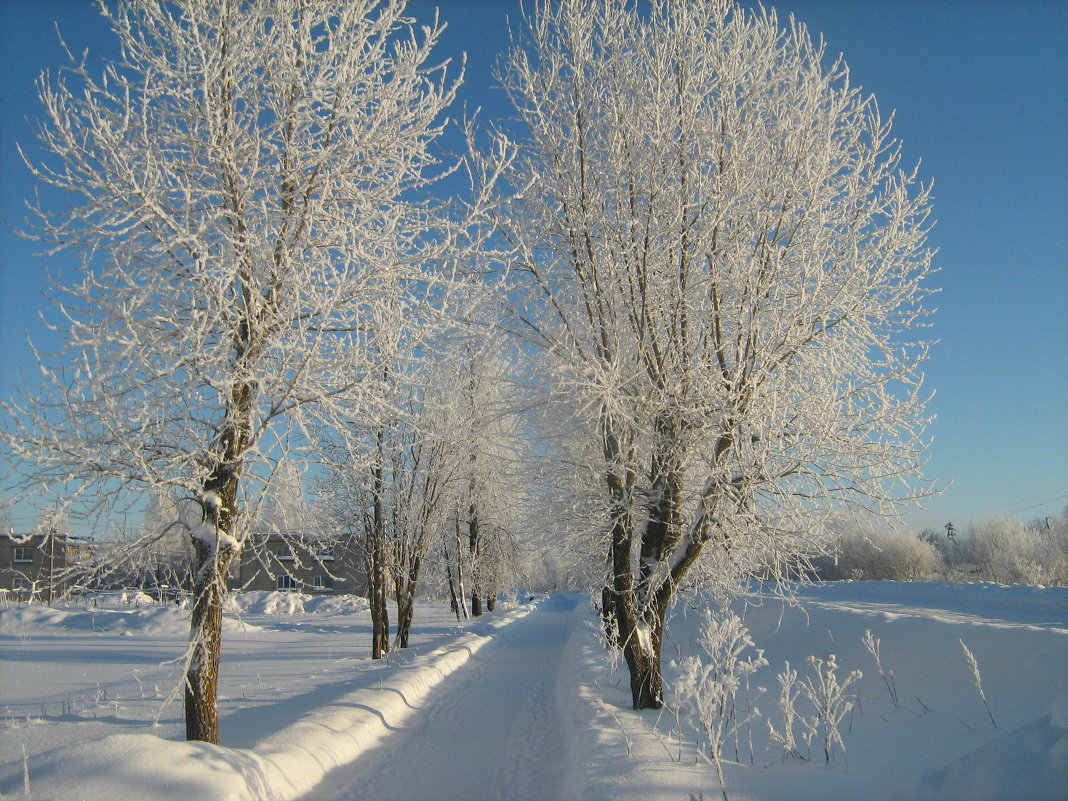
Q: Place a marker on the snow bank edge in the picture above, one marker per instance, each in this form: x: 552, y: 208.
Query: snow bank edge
x: 282, y: 767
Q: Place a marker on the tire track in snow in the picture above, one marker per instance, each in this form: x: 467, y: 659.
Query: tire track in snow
x: 490, y: 732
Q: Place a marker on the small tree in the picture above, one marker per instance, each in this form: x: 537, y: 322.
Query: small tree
x: 241, y: 183
x: 717, y: 251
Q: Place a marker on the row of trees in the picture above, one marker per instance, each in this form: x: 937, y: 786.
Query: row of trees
x: 686, y: 279
x: 438, y: 468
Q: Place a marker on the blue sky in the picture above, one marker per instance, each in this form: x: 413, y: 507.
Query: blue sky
x: 981, y: 98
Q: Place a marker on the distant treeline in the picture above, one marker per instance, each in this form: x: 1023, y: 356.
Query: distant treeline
x: 1001, y: 549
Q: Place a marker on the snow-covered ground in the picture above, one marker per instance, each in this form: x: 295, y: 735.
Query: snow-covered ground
x: 521, y: 704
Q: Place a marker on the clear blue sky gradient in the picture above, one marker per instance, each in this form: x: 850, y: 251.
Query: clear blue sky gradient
x: 981, y: 97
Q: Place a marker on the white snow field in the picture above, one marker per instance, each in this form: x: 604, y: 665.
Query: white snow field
x: 522, y: 705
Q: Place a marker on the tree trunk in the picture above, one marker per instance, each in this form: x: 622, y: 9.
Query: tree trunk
x: 639, y: 638
x: 491, y: 602
x: 461, y: 598
x: 643, y: 610
x: 202, y: 674
x: 405, y: 612
x: 377, y: 566
x: 454, y: 600
x: 608, y: 616
x: 475, y: 547
x: 646, y: 681
x: 406, y: 589
x: 379, y: 610
x: 212, y: 561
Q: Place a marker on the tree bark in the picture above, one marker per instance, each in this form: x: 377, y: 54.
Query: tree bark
x: 475, y: 546
x: 202, y: 674
x: 405, y: 595
x: 377, y: 564
x: 608, y: 615
x: 460, y: 592
x: 379, y: 609
x: 454, y: 600
x: 405, y: 612
x: 212, y: 564
x: 632, y: 608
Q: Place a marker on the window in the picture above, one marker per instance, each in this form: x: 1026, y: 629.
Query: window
x: 285, y: 582
x: 325, y: 554
x: 23, y: 555
x: 22, y: 584
x: 285, y: 552
x: 323, y: 583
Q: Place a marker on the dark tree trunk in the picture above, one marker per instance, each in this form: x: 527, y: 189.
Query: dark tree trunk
x: 406, y: 589
x: 379, y: 611
x: 476, y: 549
x: 461, y: 600
x: 646, y: 681
x: 491, y: 603
x: 639, y: 639
x: 454, y: 600
x: 377, y: 565
x: 212, y: 559
x: 608, y: 616
x: 633, y: 610
x: 202, y: 675
x: 405, y: 612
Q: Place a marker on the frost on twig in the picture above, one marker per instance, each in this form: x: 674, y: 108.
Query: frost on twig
x: 978, y: 679
x: 872, y: 644
x: 709, y: 684
x: 827, y: 695
x: 788, y: 695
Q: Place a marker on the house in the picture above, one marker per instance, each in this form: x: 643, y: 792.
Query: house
x: 40, y: 566
x: 290, y: 560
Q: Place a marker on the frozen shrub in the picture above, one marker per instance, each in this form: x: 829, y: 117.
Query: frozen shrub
x: 824, y: 706
x: 827, y: 694
x: 1008, y: 552
x: 708, y: 685
x: 894, y: 556
x: 788, y: 694
x: 1001, y: 549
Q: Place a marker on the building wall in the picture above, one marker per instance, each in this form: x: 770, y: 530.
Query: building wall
x: 294, y: 561
x: 39, y: 563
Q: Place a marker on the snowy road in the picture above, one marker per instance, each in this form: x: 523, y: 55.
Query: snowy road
x: 493, y: 730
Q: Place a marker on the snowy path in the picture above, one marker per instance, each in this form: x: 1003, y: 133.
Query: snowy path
x: 522, y: 704
x: 493, y: 730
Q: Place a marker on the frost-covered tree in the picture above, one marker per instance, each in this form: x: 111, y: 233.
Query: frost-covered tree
x: 163, y: 546
x: 283, y: 507
x: 428, y: 472
x: 488, y: 484
x: 242, y: 187
x: 717, y: 248
x: 384, y: 482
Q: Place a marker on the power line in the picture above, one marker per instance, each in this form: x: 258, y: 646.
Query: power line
x: 1056, y: 493
x: 1043, y: 503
